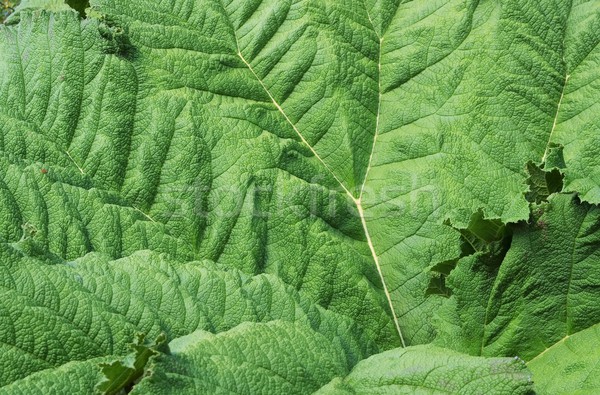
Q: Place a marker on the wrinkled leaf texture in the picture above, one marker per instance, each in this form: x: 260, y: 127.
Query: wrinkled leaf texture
x: 268, y: 185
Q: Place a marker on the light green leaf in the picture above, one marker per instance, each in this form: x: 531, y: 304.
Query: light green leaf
x: 432, y: 370
x: 94, y: 307
x: 548, y: 284
x: 77, y: 377
x: 184, y: 140
x: 102, y: 375
x: 50, y: 5
x: 196, y: 165
x: 570, y: 366
x: 273, y: 358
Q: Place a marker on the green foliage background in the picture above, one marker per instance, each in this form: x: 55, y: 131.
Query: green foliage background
x: 268, y: 196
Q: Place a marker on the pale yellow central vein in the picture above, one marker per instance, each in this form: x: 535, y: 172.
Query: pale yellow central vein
x: 377, y: 264
x: 73, y: 160
x: 294, y: 126
x: 377, y: 116
x: 362, y: 188
x: 562, y: 94
x: 549, y: 348
x: 357, y: 201
x: 143, y: 213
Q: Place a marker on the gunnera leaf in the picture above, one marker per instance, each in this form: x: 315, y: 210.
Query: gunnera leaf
x: 183, y: 166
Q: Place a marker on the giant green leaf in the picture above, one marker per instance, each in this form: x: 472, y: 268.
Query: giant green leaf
x: 276, y: 358
x: 218, y: 363
x: 545, y: 289
x: 91, y: 174
x: 78, y: 310
x: 336, y: 149
x: 77, y: 377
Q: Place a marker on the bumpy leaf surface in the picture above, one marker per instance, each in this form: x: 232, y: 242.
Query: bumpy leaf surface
x: 92, y: 307
x: 292, y: 166
x: 275, y: 358
x: 546, y: 290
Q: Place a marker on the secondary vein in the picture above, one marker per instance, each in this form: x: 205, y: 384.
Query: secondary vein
x: 280, y: 109
x: 379, y: 96
x: 555, y: 122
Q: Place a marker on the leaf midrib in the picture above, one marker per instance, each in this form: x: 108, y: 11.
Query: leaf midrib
x: 564, y: 86
x: 356, y: 200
